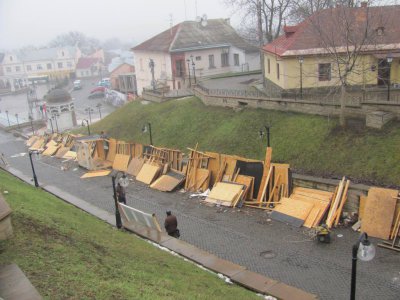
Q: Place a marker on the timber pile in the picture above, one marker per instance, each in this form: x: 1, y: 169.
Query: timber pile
x: 197, y: 173
x: 339, y: 199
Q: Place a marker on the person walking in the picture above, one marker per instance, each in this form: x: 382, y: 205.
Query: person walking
x: 121, y: 194
x: 171, y: 225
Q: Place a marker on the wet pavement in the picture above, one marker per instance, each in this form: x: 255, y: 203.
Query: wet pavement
x: 246, y: 237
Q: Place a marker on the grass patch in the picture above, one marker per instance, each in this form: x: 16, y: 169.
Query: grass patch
x: 67, y: 253
x: 311, y: 144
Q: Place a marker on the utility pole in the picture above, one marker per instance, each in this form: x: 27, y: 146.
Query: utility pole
x: 260, y: 40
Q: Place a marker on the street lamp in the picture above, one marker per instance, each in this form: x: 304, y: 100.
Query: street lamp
x: 301, y: 60
x: 33, y: 169
x: 194, y: 70
x: 31, y: 120
x: 87, y: 123
x: 89, y: 110
x: 54, y: 117
x: 389, y: 59
x: 99, y: 108
x: 262, y: 133
x: 188, y: 66
x: 51, y: 125
x: 16, y: 116
x: 151, y: 66
x: 363, y: 250
x: 147, y: 127
x: 8, y: 119
x: 124, y: 182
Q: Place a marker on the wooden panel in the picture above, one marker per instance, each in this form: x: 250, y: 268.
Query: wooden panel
x: 294, y: 208
x: 38, y: 144
x: 312, y: 217
x: 96, y: 173
x: 148, y: 173
x: 213, y: 165
x: 112, y: 148
x: 50, y: 150
x: 135, y: 166
x: 70, y: 155
x: 248, y: 181
x: 282, y: 171
x: 100, y: 150
x: 224, y: 193
x: 379, y: 212
x: 361, y: 207
x: 31, y: 140
x: 264, y: 182
x: 121, y: 162
x: 168, y: 182
x: 202, y: 179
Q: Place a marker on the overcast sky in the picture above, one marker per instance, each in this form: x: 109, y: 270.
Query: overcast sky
x: 37, y: 22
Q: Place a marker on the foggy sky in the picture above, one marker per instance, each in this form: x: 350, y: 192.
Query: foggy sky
x: 37, y: 22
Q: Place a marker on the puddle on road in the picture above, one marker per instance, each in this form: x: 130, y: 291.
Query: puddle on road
x: 18, y: 155
x: 268, y: 254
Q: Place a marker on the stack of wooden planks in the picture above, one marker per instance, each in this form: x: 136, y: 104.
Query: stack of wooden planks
x: 197, y: 173
x: 339, y: 199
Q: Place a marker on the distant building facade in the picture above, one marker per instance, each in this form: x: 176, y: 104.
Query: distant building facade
x: 123, y: 79
x: 88, y: 67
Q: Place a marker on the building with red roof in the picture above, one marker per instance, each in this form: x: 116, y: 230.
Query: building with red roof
x: 88, y: 67
x: 316, y: 52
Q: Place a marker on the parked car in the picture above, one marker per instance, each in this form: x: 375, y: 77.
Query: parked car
x: 105, y: 82
x: 77, y: 85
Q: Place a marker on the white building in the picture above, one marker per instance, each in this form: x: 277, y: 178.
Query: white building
x: 191, y: 50
x: 60, y: 111
x: 51, y: 63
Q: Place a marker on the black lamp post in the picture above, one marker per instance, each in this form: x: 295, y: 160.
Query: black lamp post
x: 144, y: 130
x: 151, y: 66
x: 194, y: 69
x: 89, y: 110
x: 51, y: 125
x: 301, y: 60
x: 33, y: 169
x: 87, y: 124
x: 262, y: 133
x: 54, y: 117
x: 99, y: 108
x: 16, y: 116
x: 188, y: 67
x: 124, y: 182
x: 8, y: 119
x: 389, y: 60
x: 363, y: 250
x: 31, y: 120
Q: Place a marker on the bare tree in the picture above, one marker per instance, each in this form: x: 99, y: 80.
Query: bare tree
x: 344, y: 35
x: 76, y: 38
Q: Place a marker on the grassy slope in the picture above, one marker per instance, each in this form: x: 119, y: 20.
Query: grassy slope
x: 309, y: 143
x: 67, y: 253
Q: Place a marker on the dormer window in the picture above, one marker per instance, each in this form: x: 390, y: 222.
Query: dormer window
x: 380, y: 31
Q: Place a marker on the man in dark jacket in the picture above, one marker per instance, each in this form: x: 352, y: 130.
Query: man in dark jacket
x: 121, y: 193
x: 171, y: 225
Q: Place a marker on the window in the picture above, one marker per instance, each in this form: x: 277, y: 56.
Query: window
x: 277, y: 71
x: 224, y: 60
x: 8, y: 69
x: 17, y: 69
x: 198, y: 58
x: 69, y: 64
x: 236, y: 59
x: 211, y: 64
x: 49, y: 66
x: 324, y: 72
x: 269, y: 66
x: 29, y: 68
x: 179, y: 68
x: 60, y: 65
x: 39, y: 67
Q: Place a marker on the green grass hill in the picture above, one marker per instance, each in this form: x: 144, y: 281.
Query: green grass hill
x: 312, y: 145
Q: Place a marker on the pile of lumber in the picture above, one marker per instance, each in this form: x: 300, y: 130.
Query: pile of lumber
x: 197, y: 173
x: 338, y: 202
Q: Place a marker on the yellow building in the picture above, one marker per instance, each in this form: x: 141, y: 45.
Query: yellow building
x: 316, y: 53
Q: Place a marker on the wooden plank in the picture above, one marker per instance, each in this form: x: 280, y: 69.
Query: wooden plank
x: 168, y: 182
x: 312, y: 217
x: 361, y: 207
x: 334, y: 206
x: 96, y: 173
x: 148, y: 173
x: 112, y: 148
x: 294, y: 208
x: 224, y: 193
x: 248, y: 181
x: 282, y: 171
x: 135, y: 166
x: 264, y: 190
x: 70, y: 155
x: 342, y: 202
x: 379, y: 212
x: 202, y: 177
x: 121, y: 162
x: 266, y: 174
x: 50, y: 150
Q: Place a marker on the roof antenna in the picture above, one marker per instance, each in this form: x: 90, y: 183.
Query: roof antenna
x: 170, y: 23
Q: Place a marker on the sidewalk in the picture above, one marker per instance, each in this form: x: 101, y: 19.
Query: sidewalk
x: 244, y: 237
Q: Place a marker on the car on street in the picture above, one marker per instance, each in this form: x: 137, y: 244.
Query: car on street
x: 77, y: 85
x: 105, y: 82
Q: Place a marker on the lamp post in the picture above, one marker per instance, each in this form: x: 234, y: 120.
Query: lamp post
x: 124, y: 182
x: 188, y: 67
x: 54, y: 117
x: 363, y: 250
x: 87, y: 124
x: 89, y: 110
x: 31, y: 120
x: 194, y: 69
x: 16, y: 116
x: 389, y: 60
x: 99, y: 108
x: 144, y: 130
x: 8, y: 119
x: 151, y: 66
x: 51, y: 125
x: 301, y: 60
x: 262, y: 133
x: 33, y: 169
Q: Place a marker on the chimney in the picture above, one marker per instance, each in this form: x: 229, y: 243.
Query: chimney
x: 364, y: 4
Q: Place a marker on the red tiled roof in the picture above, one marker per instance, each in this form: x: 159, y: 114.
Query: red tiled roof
x: 86, y: 62
x: 326, y: 29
